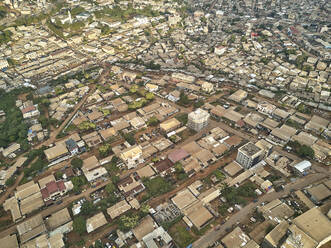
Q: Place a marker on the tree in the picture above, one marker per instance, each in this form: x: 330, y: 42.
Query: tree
x: 126, y: 223
x: 153, y: 121
x: 79, y: 225
x: 87, y: 208
x: 104, y: 150
x: 76, y: 163
x: 306, y: 151
x: 149, y: 96
x: 78, y: 182
x: 110, y: 188
x: 10, y: 181
x: 86, y: 125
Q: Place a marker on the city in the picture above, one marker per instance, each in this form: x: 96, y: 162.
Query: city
x: 165, y: 123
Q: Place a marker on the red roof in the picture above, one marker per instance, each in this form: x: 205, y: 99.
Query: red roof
x: 28, y: 109
x: 44, y: 193
x: 177, y: 155
x: 60, y: 185
x: 52, y: 187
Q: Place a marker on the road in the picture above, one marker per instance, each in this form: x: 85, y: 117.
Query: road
x: 212, y: 236
x: 53, y: 135
x: 54, y: 208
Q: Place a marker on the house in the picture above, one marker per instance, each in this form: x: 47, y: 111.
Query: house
x: 281, y: 135
x: 31, y: 228
x: 157, y: 236
x: 9, y: 241
x: 197, y: 215
x: 145, y: 227
x: 266, y: 108
x: 95, y: 116
x: 177, y: 155
x: 56, y: 152
x: 274, y: 238
x: 170, y: 125
x: 315, y: 225
x: 92, y: 169
x: 92, y: 139
x: 132, y: 156
x: 11, y: 150
x: 72, y: 146
x: 319, y: 193
x: 207, y: 87
x: 95, y: 222
x: 130, y: 185
x: 107, y: 133
x: 317, y: 124
x: 174, y: 96
x: 151, y: 87
x: 60, y: 219
x: 137, y: 122
x: 53, y: 190
x: 118, y: 209
x: 238, y: 96
x: 235, y: 239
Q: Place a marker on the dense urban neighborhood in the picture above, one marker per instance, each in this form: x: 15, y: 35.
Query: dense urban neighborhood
x: 165, y: 124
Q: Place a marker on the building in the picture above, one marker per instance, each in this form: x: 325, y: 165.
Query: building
x: 314, y: 224
x: 53, y: 190
x: 92, y: 169
x: 249, y: 155
x: 95, y: 222
x: 302, y: 168
x: 10, y: 241
x: 118, y: 209
x: 235, y: 239
x: 198, y: 119
x: 132, y: 156
x: 31, y: 228
x: 72, y: 146
x: 274, y: 238
x: 56, y: 152
x: 170, y: 125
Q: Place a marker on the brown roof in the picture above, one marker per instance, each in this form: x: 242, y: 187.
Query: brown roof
x: 90, y: 163
x: 233, y: 168
x: 145, y: 227
x: 191, y: 147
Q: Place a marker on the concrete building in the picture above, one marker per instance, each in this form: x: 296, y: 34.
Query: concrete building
x: 249, y: 155
x: 198, y: 119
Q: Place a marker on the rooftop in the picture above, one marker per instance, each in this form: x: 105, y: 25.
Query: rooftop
x: 249, y: 149
x: 314, y: 223
x: 235, y: 239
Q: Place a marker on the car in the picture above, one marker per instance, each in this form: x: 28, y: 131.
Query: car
x: 59, y: 202
x: 255, y: 200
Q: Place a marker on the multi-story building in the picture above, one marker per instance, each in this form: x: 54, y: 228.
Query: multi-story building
x: 198, y: 119
x: 249, y: 155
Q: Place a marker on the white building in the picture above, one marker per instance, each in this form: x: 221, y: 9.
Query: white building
x: 198, y: 119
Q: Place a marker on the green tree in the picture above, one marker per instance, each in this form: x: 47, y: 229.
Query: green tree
x: 10, y: 181
x: 76, y: 163
x: 79, y: 225
x: 104, y: 150
x: 110, y: 188
x: 126, y: 223
x: 149, y: 96
x: 306, y: 151
x: 87, y: 208
x: 153, y: 121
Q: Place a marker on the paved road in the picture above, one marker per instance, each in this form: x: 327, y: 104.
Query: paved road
x: 212, y: 236
x: 54, y: 208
